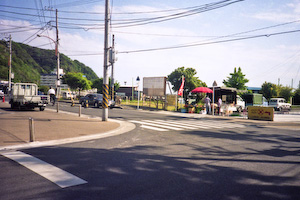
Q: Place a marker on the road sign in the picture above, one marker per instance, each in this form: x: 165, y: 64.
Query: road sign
x: 261, y: 113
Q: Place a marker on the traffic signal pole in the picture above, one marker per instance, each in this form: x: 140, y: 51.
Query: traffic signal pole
x: 106, y: 64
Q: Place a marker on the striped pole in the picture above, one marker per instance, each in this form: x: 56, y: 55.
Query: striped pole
x: 105, y: 96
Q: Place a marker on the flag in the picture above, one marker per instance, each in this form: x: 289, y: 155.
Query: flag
x: 180, y: 91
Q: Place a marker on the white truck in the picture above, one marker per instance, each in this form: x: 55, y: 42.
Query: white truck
x: 279, y: 104
x: 25, y: 95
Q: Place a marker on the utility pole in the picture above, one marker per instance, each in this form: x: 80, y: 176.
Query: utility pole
x: 9, y: 63
x: 112, y: 61
x: 105, y: 65
x: 58, y: 63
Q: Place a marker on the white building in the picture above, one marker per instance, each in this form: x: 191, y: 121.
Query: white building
x: 50, y: 79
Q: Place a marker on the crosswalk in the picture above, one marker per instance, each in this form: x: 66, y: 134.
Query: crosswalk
x: 187, y: 124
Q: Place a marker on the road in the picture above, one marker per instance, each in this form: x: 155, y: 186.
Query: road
x: 167, y: 157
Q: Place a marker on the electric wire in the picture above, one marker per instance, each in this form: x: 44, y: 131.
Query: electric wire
x: 208, y: 43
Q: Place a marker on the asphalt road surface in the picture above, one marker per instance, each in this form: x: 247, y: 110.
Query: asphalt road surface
x: 166, y: 157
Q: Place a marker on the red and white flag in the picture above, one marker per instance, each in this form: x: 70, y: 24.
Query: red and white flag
x: 180, y: 91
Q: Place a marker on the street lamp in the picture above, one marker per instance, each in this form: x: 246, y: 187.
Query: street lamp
x: 138, y: 104
x: 214, y: 85
x: 58, y: 64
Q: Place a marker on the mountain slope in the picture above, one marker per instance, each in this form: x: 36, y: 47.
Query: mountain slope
x: 29, y: 62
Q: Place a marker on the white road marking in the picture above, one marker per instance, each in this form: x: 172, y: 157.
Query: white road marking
x: 153, y: 128
x: 58, y: 176
x: 173, y: 123
x: 166, y: 125
x: 144, y: 122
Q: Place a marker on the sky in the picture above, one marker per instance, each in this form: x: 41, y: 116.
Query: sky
x: 153, y: 38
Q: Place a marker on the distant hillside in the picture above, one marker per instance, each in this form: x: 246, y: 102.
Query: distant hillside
x: 29, y: 62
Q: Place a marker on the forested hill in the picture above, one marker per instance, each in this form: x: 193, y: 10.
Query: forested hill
x: 28, y: 63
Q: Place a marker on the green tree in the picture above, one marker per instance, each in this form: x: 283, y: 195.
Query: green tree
x: 191, y: 82
x: 297, y: 97
x: 285, y: 92
x: 77, y: 81
x: 236, y: 80
x: 269, y: 90
x: 98, y: 83
x: 44, y: 89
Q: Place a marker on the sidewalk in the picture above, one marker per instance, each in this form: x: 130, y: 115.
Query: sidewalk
x: 51, y: 127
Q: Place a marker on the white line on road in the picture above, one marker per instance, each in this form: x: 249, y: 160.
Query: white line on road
x: 153, y: 128
x: 144, y: 122
x: 58, y: 176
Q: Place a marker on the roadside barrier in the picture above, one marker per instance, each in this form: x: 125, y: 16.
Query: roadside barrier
x: 79, y: 112
x: 31, y: 130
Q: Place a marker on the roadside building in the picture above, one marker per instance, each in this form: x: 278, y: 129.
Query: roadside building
x: 128, y: 91
x: 50, y: 79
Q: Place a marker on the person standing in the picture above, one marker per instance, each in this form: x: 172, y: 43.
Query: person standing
x: 219, y: 105
x: 207, y: 105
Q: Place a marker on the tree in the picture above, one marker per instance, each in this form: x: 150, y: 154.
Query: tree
x: 44, y: 89
x: 77, y: 81
x: 285, y: 92
x: 191, y: 82
x: 297, y: 97
x: 98, y: 83
x: 269, y: 90
x: 236, y: 80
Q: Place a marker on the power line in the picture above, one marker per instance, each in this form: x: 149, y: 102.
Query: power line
x: 207, y: 43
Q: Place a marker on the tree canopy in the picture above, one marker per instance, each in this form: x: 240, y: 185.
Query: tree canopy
x: 77, y: 81
x: 236, y: 80
x: 269, y: 90
x: 285, y: 92
x: 191, y: 82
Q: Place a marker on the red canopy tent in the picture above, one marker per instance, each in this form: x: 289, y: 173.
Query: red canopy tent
x: 202, y: 90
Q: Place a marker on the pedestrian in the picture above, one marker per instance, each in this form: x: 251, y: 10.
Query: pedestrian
x: 219, y: 105
x: 207, y: 105
x: 51, y: 92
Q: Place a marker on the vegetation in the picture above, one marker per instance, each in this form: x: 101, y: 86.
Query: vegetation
x: 297, y: 96
x: 98, y: 83
x: 236, y: 80
x: 285, y: 92
x: 77, y: 81
x: 29, y: 62
x: 191, y: 82
x: 269, y: 90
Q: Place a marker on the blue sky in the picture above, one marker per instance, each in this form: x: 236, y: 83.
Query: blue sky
x: 261, y: 59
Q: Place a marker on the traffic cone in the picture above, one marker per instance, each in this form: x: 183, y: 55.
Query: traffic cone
x: 3, y: 99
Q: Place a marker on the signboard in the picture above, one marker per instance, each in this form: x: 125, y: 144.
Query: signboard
x: 261, y: 113
x: 154, y: 86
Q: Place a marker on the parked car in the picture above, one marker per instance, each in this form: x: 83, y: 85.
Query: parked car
x: 95, y: 100
x: 279, y: 104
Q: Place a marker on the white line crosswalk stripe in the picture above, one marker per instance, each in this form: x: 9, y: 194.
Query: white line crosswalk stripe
x: 189, y: 124
x: 151, y: 123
